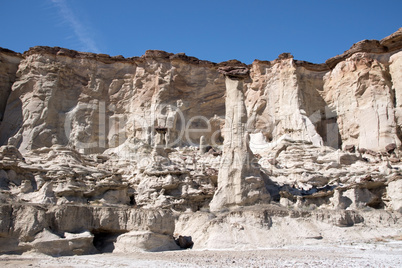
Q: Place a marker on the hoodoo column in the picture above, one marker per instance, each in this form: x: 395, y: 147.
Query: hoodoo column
x: 239, y: 182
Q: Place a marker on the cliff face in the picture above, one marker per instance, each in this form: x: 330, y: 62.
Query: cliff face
x: 9, y: 62
x: 355, y: 94
x: 118, y: 99
x: 164, y: 137
x: 284, y: 99
x: 361, y: 91
x: 91, y: 105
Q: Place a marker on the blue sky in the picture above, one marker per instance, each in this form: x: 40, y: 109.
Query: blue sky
x: 216, y: 30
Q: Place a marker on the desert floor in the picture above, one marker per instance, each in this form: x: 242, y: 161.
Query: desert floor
x: 376, y: 254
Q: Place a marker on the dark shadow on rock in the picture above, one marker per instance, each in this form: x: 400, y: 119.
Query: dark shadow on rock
x: 12, y: 120
x: 272, y: 187
x: 104, y: 240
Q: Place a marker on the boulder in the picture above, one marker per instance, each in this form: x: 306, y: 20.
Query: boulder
x: 184, y: 242
x: 136, y: 241
x: 348, y: 159
x: 394, y: 192
x: 359, y: 198
x: 49, y: 243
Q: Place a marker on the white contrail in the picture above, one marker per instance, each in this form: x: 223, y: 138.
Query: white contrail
x: 77, y: 26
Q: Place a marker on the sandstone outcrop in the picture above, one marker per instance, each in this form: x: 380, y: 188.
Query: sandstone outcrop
x: 239, y: 182
x: 271, y: 226
x: 34, y: 227
x: 114, y: 154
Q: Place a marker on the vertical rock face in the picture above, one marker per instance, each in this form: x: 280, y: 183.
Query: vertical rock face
x: 360, y: 89
x: 239, y: 182
x: 94, y: 102
x: 352, y: 99
x: 283, y: 99
x: 9, y: 62
x: 395, y: 68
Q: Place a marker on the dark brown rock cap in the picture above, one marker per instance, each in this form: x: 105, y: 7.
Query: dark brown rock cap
x: 235, y: 72
x: 394, y: 41
x: 388, y: 44
x: 10, y: 52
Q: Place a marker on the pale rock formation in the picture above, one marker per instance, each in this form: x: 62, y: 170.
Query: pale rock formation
x: 259, y: 227
x: 284, y: 96
x: 358, y: 198
x: 33, y: 223
x: 239, y: 182
x: 394, y: 191
x: 395, y: 68
x: 203, y: 146
x: 361, y: 91
x: 284, y: 110
x: 159, y: 145
x: 143, y: 240
x: 107, y: 100
x: 120, y: 146
x: 70, y: 244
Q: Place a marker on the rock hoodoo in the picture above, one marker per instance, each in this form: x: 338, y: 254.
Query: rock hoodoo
x: 239, y: 182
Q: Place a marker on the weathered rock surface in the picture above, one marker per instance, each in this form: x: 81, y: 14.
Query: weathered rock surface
x: 239, y: 182
x: 51, y: 244
x: 394, y: 190
x: 25, y: 227
x: 271, y: 226
x: 9, y: 62
x: 144, y: 240
x: 360, y: 89
x: 106, y: 103
x: 108, y: 154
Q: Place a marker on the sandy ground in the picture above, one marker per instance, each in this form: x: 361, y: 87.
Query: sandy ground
x: 378, y: 254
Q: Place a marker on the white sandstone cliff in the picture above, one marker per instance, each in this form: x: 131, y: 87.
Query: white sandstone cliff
x: 102, y: 154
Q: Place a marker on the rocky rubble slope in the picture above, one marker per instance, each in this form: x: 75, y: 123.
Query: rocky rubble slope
x: 102, y: 154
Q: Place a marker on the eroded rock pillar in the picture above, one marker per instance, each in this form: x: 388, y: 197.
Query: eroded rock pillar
x: 239, y: 182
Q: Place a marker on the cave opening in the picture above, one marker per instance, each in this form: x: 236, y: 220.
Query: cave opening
x: 132, y: 200
x: 104, y: 240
